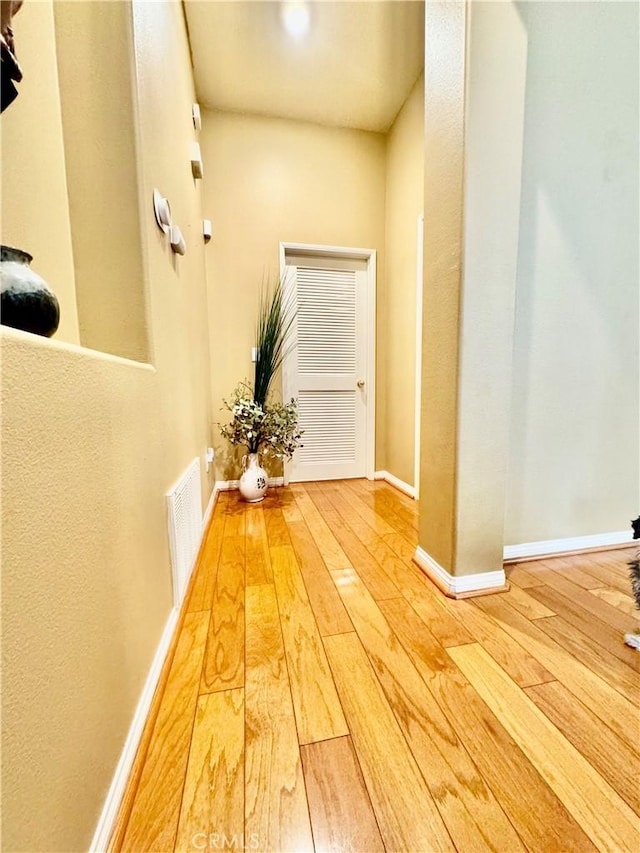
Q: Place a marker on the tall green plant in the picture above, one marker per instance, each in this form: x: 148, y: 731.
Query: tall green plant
x: 276, y: 314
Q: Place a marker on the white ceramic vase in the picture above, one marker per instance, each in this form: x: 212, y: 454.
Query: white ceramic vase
x: 253, y: 483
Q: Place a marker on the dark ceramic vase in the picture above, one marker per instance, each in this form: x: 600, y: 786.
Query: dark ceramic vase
x: 27, y: 302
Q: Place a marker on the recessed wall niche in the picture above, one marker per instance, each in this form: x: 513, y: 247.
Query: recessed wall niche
x: 98, y: 118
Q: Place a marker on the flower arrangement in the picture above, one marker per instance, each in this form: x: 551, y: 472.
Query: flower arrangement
x: 258, y: 423
x: 270, y: 428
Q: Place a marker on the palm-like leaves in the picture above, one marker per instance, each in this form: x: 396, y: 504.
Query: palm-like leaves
x: 276, y: 314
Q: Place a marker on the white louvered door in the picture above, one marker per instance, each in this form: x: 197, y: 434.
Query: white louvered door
x: 326, y: 370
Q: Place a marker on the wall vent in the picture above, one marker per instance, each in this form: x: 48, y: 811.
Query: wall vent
x: 184, y: 509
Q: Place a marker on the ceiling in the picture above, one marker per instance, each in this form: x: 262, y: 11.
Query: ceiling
x: 354, y: 67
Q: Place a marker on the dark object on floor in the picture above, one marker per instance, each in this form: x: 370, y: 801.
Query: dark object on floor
x: 634, y: 565
x: 634, y: 574
x: 633, y: 640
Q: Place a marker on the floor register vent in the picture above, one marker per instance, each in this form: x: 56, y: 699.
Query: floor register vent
x: 184, y: 508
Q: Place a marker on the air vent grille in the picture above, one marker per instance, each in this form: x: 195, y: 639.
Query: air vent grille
x: 185, y: 528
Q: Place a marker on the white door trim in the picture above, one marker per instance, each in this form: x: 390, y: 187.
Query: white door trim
x: 370, y: 256
x: 418, y: 386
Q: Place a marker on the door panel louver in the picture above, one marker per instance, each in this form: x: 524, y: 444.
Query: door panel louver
x: 328, y: 421
x: 326, y: 321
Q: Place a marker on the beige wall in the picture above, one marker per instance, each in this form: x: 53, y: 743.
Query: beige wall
x: 443, y: 204
x: 91, y: 443
x: 474, y: 81
x: 271, y: 180
x: 99, y: 137
x: 403, y: 205
x: 542, y: 100
x: 35, y: 207
x: 574, y: 438
x: 494, y: 125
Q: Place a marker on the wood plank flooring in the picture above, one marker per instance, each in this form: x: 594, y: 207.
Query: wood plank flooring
x: 322, y: 695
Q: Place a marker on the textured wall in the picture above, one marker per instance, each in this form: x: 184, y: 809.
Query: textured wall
x: 404, y: 202
x: 91, y: 443
x: 494, y: 124
x: 85, y: 580
x: 474, y: 83
x: 444, y: 80
x: 272, y: 180
x: 573, y: 466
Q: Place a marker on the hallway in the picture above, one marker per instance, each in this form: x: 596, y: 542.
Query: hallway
x: 322, y: 694
x: 314, y: 689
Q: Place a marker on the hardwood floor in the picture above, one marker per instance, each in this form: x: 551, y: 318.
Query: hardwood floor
x: 322, y: 694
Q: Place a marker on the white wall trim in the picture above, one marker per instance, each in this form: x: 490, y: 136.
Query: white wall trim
x: 206, y: 518
x: 458, y: 586
x: 396, y: 482
x: 330, y: 251
x: 563, y: 546
x: 370, y: 256
x: 121, y: 777
x: 229, y: 485
x: 418, y: 348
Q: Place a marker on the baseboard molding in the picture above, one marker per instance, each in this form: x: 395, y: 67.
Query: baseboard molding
x: 463, y: 586
x: 211, y: 505
x: 572, y: 545
x: 121, y: 776
x: 229, y: 485
x: 396, y: 482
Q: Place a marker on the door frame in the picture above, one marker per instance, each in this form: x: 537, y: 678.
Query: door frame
x: 370, y: 256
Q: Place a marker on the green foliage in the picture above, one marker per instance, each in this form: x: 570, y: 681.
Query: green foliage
x: 276, y: 314
x: 258, y: 424
x: 271, y: 428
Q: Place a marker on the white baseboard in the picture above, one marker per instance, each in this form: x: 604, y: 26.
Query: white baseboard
x: 228, y: 485
x: 458, y: 586
x: 206, y: 518
x: 121, y: 776
x: 396, y: 482
x: 548, y: 547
